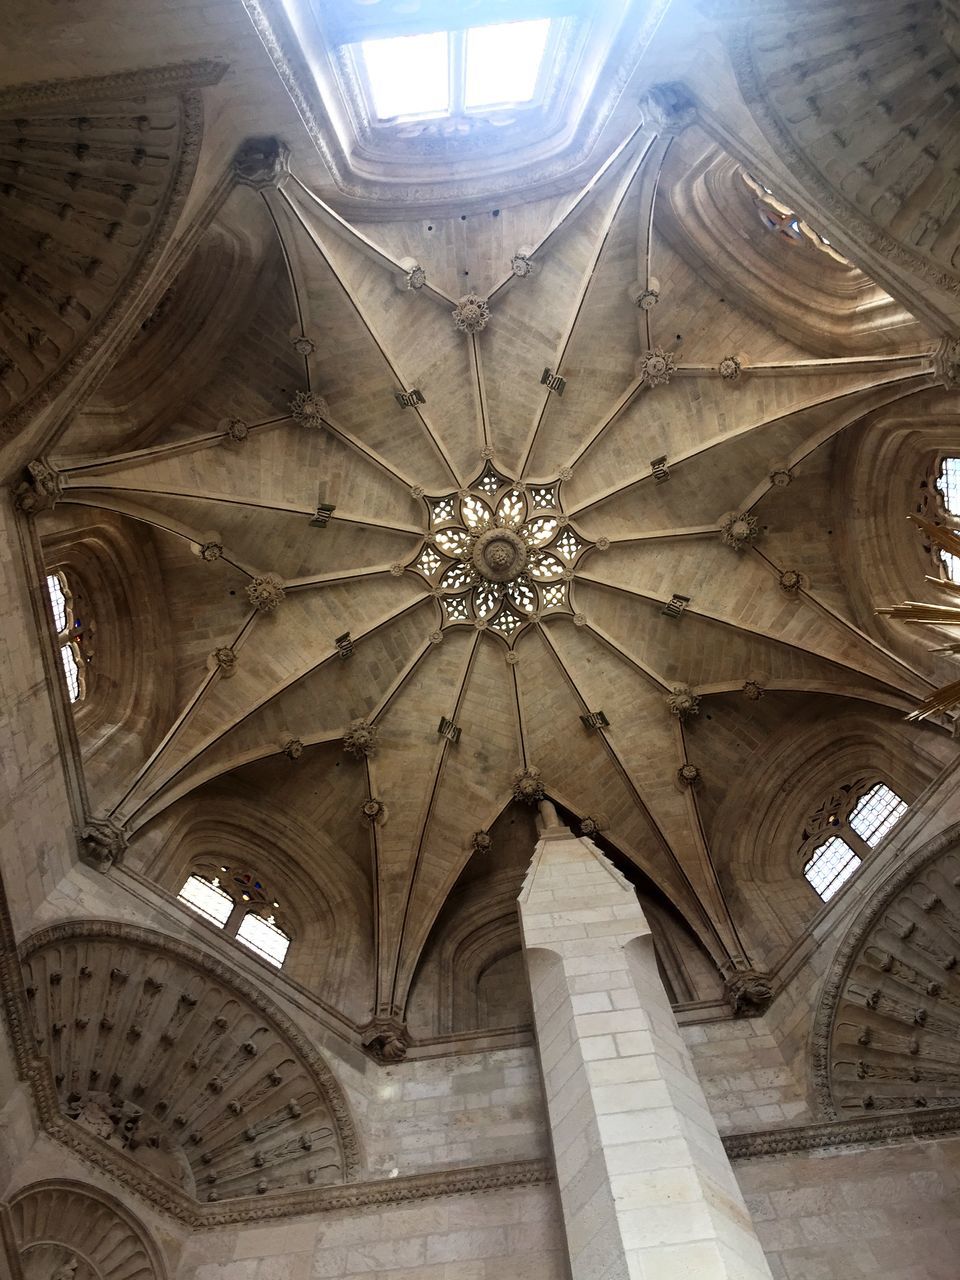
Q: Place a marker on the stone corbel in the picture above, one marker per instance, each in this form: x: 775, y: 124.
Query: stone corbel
x: 40, y: 489
x: 261, y: 163
x: 103, y: 842
x: 668, y: 108
x: 748, y: 992
x: 386, y: 1040
x: 948, y: 363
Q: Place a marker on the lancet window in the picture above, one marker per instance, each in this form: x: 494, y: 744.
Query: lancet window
x: 235, y: 900
x: 845, y: 829
x: 70, y: 632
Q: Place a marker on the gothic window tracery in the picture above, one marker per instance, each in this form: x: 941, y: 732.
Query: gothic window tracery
x: 845, y: 829
x: 69, y: 631
x: 235, y: 900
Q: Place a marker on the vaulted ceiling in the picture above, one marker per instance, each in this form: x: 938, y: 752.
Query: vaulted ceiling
x: 675, y: 417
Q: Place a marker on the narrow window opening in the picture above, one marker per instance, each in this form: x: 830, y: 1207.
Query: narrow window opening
x: 845, y: 829
x: 235, y: 900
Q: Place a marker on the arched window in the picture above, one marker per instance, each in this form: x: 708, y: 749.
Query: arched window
x: 948, y: 488
x: 69, y: 634
x: 844, y: 831
x: 779, y: 217
x: 236, y: 901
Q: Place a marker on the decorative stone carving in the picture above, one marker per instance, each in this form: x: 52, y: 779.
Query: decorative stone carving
x: 58, y: 1223
x: 226, y: 661
x: 753, y: 690
x: 482, y: 842
x: 739, y: 529
x: 471, y: 314
x: 261, y: 162
x: 647, y: 299
x: 748, y: 992
x: 375, y: 811
x: 211, y: 551
x: 303, y: 345
x: 668, y: 108
x: 592, y: 824
x: 528, y: 785
x: 655, y: 368
x: 948, y: 362
x: 781, y: 478
x: 266, y: 593
x: 731, y: 368
x: 41, y: 489
x: 414, y: 277
x: 237, y: 429
x: 522, y: 265
x: 499, y: 555
x: 360, y: 740
x: 682, y: 702
x: 309, y: 409
x: 190, y: 1074
x: 688, y: 775
x: 386, y: 1040
x: 602, y: 544
x: 103, y: 842
x: 791, y: 580
x: 293, y: 748
x: 888, y: 1025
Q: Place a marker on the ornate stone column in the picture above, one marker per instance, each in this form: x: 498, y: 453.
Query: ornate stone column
x: 645, y: 1185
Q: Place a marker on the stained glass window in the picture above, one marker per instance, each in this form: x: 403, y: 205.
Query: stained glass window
x: 237, y: 901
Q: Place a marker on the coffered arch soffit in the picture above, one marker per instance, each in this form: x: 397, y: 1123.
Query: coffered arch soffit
x: 312, y: 406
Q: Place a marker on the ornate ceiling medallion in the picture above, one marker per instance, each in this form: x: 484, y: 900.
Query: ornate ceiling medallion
x: 500, y: 555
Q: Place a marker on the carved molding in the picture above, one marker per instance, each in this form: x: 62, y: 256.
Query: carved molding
x: 836, y: 1134
x: 885, y: 1034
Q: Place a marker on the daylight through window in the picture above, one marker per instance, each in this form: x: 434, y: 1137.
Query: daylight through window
x: 453, y: 73
x: 69, y: 633
x: 235, y: 900
x: 859, y: 817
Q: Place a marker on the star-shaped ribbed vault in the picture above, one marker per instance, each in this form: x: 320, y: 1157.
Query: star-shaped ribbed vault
x: 583, y: 527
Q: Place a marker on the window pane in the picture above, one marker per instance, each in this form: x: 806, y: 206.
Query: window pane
x: 71, y: 669
x: 208, y: 898
x: 952, y: 565
x: 876, y: 813
x: 831, y: 866
x: 263, y: 936
x: 503, y: 62
x: 948, y: 482
x: 409, y: 75
x: 58, y: 600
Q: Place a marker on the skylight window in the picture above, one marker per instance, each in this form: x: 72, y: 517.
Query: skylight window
x: 455, y: 73
x: 503, y: 62
x: 409, y: 75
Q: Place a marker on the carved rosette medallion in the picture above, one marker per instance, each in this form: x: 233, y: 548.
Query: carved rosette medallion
x: 528, y: 785
x: 471, y: 314
x: 265, y: 593
x: 656, y: 368
x: 482, y: 842
x: 791, y: 580
x: 731, y: 367
x: 688, y: 775
x: 309, y: 409
x: 498, y: 555
x: 682, y: 702
x: 360, y: 740
x: 739, y: 529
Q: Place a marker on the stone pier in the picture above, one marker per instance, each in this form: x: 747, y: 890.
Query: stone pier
x: 645, y: 1185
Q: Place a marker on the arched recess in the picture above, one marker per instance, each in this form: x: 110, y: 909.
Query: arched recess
x: 177, y: 1074
x: 886, y: 468
x: 324, y: 891
x: 886, y: 1030
x: 471, y: 977
x: 60, y: 1222
x: 757, y: 827
x: 827, y: 307
x: 114, y: 574
x: 226, y: 311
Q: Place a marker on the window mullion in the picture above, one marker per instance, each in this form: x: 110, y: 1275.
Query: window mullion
x: 458, y: 72
x: 856, y: 843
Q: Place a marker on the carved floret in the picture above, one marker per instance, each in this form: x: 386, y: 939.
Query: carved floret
x: 265, y: 593
x: 360, y: 740
x: 739, y: 529
x: 471, y: 313
x: 528, y: 785
x: 655, y: 368
x: 309, y: 409
x: 682, y: 702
